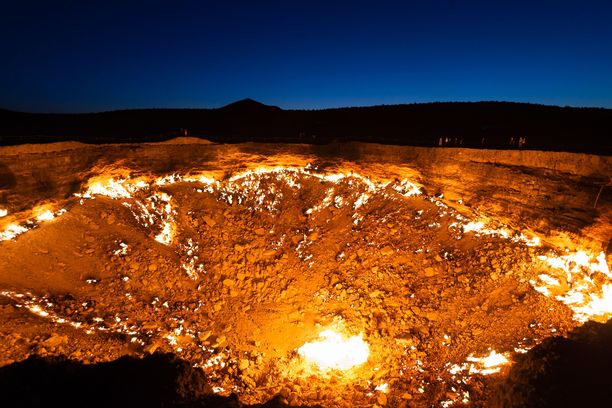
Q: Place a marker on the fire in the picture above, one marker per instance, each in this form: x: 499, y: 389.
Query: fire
x: 11, y: 231
x: 480, y: 228
x: 3, y: 212
x: 491, y: 363
x: 572, y: 283
x: 165, y: 236
x: 486, y: 365
x: 335, y: 352
x: 110, y: 188
x: 598, y: 306
x: 45, y: 216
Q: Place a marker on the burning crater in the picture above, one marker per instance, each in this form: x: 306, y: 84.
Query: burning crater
x: 323, y: 278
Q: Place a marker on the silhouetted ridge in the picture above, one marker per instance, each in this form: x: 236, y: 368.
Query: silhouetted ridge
x: 248, y: 104
x: 483, y: 125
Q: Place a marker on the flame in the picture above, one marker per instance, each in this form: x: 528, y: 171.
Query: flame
x: 335, y: 352
x: 11, y: 231
x: 572, y: 283
x: 480, y: 228
x: 493, y: 360
x: 110, y: 188
x: 485, y: 365
x: 3, y: 212
x: 598, y: 306
x: 165, y: 236
x: 45, y: 216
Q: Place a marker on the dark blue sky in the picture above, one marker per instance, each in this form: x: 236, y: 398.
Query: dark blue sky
x: 75, y: 56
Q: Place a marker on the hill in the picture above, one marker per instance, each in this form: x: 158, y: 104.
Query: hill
x: 466, y: 124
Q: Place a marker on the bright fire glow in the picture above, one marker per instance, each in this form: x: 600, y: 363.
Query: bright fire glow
x: 110, y: 188
x: 11, y: 232
x: 579, y: 290
x: 165, y: 236
x: 333, y: 351
x: 3, y: 212
x: 493, y: 360
x: 486, y: 365
x: 45, y: 216
x: 598, y: 305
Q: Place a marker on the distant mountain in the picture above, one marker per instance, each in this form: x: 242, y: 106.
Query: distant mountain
x: 475, y: 124
x: 248, y: 105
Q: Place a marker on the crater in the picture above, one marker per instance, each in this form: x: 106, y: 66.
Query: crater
x: 413, y: 277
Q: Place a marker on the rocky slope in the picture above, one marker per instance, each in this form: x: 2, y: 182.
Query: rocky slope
x: 234, y: 256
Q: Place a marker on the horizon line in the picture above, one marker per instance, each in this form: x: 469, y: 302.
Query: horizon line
x: 307, y: 109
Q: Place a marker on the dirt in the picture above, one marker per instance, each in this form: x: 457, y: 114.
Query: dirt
x: 258, y: 263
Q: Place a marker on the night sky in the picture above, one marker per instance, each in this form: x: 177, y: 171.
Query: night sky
x: 79, y: 56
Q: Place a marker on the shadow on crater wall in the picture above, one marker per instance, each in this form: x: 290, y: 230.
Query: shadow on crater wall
x: 159, y: 380
x: 563, y: 372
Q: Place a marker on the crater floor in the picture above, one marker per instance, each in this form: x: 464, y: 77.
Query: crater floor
x: 234, y: 264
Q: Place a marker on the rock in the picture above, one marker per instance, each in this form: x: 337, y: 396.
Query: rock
x: 268, y: 253
x: 243, y: 364
x: 209, y: 221
x: 203, y: 336
x: 248, y: 381
x: 184, y: 340
x: 433, y: 316
x: 55, y: 340
x: 386, y: 251
x: 153, y: 267
x: 151, y: 348
x: 259, y: 231
x: 220, y: 340
x: 229, y: 282
x: 381, y: 399
x: 313, y: 236
x: 429, y: 272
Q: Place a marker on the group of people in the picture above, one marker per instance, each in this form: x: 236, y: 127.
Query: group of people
x: 515, y: 141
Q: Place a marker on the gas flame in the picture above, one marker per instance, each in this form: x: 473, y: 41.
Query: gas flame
x: 335, y: 352
x: 110, y: 188
x: 489, y: 364
x: 572, y: 283
x: 166, y: 234
x: 45, y: 216
x: 11, y: 231
x: 485, y: 365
